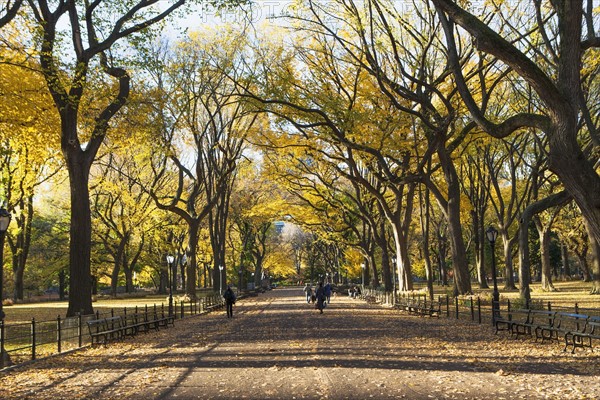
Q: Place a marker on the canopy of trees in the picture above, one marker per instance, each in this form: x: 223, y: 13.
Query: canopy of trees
x: 339, y: 139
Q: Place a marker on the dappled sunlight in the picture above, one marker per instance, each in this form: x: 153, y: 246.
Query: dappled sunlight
x: 280, y: 347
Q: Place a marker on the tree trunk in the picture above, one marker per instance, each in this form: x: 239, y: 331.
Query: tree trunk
x: 564, y: 254
x: 80, y: 287
x: 385, y: 257
x: 443, y: 268
x: 507, y: 243
x: 193, y: 229
x: 595, y: 268
x: 20, y: 248
x: 428, y: 265
x: 547, y: 284
x: 118, y: 262
x: 478, y: 242
x: 584, y: 267
x: 554, y: 200
x: 114, y: 278
x: 403, y: 266
x: 163, y: 281
x: 425, y: 215
x: 457, y: 244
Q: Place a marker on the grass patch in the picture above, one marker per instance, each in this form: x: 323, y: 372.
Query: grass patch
x: 48, y: 311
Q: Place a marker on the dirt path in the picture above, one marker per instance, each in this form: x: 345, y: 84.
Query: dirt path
x: 279, y: 347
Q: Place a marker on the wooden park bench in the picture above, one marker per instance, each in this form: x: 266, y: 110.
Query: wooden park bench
x: 419, y: 306
x: 544, y: 324
x: 558, y: 324
x: 582, y: 337
x: 162, y: 319
x: 514, y: 321
x: 137, y: 322
x: 105, y: 329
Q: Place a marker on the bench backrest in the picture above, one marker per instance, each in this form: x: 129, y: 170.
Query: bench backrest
x: 593, y: 324
x: 135, y: 318
x: 571, y: 322
x: 105, y: 324
x: 543, y: 317
x: 519, y: 315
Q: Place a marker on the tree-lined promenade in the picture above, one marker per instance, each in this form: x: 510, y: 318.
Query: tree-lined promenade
x: 279, y: 347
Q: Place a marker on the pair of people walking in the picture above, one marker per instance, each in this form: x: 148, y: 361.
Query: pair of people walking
x: 321, y: 296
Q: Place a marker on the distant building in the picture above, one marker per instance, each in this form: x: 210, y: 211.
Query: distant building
x: 279, y: 227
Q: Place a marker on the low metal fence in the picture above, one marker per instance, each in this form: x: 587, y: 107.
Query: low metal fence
x: 27, y: 341
x: 473, y: 308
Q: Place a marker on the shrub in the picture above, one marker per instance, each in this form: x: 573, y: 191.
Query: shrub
x: 534, y: 304
x: 7, y: 302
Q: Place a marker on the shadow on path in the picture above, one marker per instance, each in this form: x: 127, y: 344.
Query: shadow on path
x: 278, y: 346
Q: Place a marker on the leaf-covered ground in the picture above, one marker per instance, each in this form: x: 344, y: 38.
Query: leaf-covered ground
x: 279, y: 347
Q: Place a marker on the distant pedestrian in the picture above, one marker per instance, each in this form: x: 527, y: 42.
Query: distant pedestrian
x: 320, y: 294
x: 308, y: 292
x: 229, y: 297
x: 328, y: 292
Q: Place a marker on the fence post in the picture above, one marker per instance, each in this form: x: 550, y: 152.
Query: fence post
x: 472, y: 310
x: 79, y: 330
x: 182, y: 309
x: 456, y: 306
x: 2, y: 344
x: 576, y: 308
x: 33, y: 340
x: 58, y: 334
x: 479, y: 309
x: 549, y: 306
x: 447, y: 306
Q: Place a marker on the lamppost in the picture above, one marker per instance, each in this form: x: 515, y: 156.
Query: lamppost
x: 240, y: 272
x: 170, y: 260
x: 220, y: 279
x: 4, y: 221
x: 363, y: 266
x: 492, y: 234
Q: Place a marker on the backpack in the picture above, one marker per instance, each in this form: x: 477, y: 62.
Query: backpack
x: 229, y: 296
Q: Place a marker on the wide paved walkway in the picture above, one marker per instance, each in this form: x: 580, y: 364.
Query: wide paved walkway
x: 279, y: 347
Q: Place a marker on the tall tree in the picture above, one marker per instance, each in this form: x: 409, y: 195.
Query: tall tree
x: 203, y: 125
x: 553, y: 69
x: 92, y: 36
x: 29, y: 152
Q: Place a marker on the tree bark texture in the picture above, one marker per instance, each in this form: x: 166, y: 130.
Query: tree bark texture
x: 80, y: 282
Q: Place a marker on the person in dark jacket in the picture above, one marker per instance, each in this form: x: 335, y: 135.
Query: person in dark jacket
x: 320, y: 297
x: 229, y: 297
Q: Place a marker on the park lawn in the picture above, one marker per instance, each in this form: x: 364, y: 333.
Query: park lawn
x: 50, y: 310
x: 568, y: 294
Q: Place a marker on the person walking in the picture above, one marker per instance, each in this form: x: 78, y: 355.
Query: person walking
x: 308, y: 292
x: 229, y: 297
x: 328, y: 292
x: 320, y: 298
